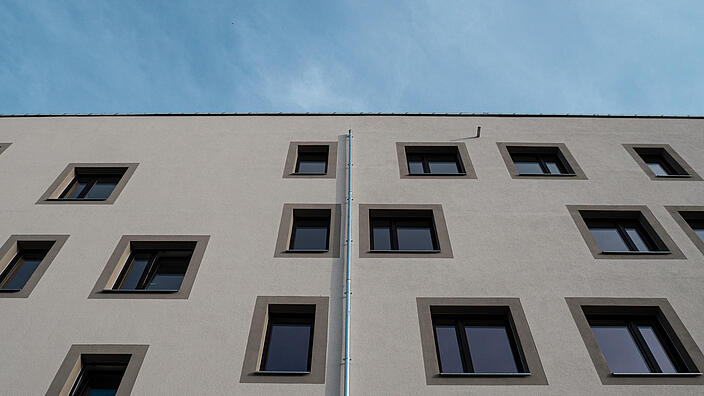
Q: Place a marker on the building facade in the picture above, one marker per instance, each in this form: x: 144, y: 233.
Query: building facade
x: 205, y: 254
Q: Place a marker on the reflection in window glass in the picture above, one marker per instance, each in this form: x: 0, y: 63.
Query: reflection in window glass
x: 490, y: 349
x: 620, y: 350
x: 21, y: 268
x: 288, y: 343
x: 310, y: 233
x: 657, y: 349
x: 448, y: 349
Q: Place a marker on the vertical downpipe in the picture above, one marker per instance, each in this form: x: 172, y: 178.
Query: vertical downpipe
x: 348, y: 264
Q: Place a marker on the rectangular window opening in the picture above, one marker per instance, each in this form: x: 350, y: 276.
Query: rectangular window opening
x: 100, y: 375
x: 478, y: 344
x: 20, y: 269
x: 409, y: 231
x: 636, y: 345
x: 154, y: 270
x: 434, y: 161
x: 623, y: 235
x: 312, y: 160
x: 288, y: 341
x: 660, y: 162
x: 92, y: 183
x: 539, y: 161
x: 310, y: 230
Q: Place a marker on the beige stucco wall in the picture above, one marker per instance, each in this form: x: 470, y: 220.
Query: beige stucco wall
x: 221, y: 176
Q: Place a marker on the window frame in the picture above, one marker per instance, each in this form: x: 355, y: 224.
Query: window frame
x: 696, y: 213
x: 73, y: 170
x: 508, y: 308
x: 393, y: 233
x: 560, y: 150
x: 460, y: 150
x: 669, y: 155
x: 432, y: 211
x: 292, y: 161
x: 14, y: 244
x: 115, y: 267
x: 656, y: 309
x: 639, y: 213
x: 254, y: 351
x: 67, y: 375
x: 284, y: 236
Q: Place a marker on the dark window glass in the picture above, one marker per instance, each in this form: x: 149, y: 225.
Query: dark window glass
x: 635, y: 345
x: 155, y: 270
x: 539, y: 164
x: 621, y: 236
x: 312, y: 160
x: 448, y: 349
x: 310, y: 233
x: 476, y: 344
x: 434, y: 163
x: 21, y: 268
x: 289, y: 340
x: 659, y: 165
x: 403, y: 233
x: 490, y: 349
x: 698, y: 227
x: 98, y: 380
x: 98, y: 187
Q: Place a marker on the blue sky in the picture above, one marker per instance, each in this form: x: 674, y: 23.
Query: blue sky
x: 610, y: 57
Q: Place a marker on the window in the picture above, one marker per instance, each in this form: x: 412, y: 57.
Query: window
x: 309, y: 230
x: 98, y: 379
x: 403, y: 231
x: 691, y: 219
x: 621, y: 236
x: 311, y: 160
x: 24, y: 259
x: 623, y: 232
x: 540, y: 160
x: 287, y: 341
x: 661, y: 162
x: 434, y: 160
x: 152, y: 266
x: 97, y: 370
x: 482, y: 341
x: 154, y: 269
x: 637, y: 341
x: 89, y: 183
x: 476, y: 344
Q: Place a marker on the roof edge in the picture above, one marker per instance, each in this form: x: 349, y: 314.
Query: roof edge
x: 363, y: 114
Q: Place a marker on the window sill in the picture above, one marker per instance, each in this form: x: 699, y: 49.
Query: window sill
x: 437, y: 174
x: 75, y: 199
x: 10, y: 290
x: 307, y: 250
x: 548, y: 174
x: 308, y: 174
x: 404, y: 251
x: 281, y: 372
x: 673, y: 176
x: 119, y: 291
x: 484, y: 374
x: 655, y: 374
x: 658, y: 252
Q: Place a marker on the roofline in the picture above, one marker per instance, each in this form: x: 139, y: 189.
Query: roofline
x: 524, y: 115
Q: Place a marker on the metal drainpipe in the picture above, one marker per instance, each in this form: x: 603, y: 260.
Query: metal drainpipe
x: 349, y: 259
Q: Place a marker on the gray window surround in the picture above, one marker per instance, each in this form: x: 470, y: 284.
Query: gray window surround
x: 9, y: 250
x: 4, y: 146
x: 71, y: 366
x: 505, y: 305
x: 51, y: 195
x: 640, y: 212
x: 676, y: 212
x: 462, y: 152
x: 292, y: 156
x: 560, y: 149
x: 117, y: 261
x: 662, y: 311
x: 441, y: 233
x: 257, y: 332
x: 691, y: 174
x: 285, y: 226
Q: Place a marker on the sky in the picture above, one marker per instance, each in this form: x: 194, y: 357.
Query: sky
x: 444, y: 56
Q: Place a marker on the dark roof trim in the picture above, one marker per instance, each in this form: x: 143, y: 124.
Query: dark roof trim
x: 355, y: 115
